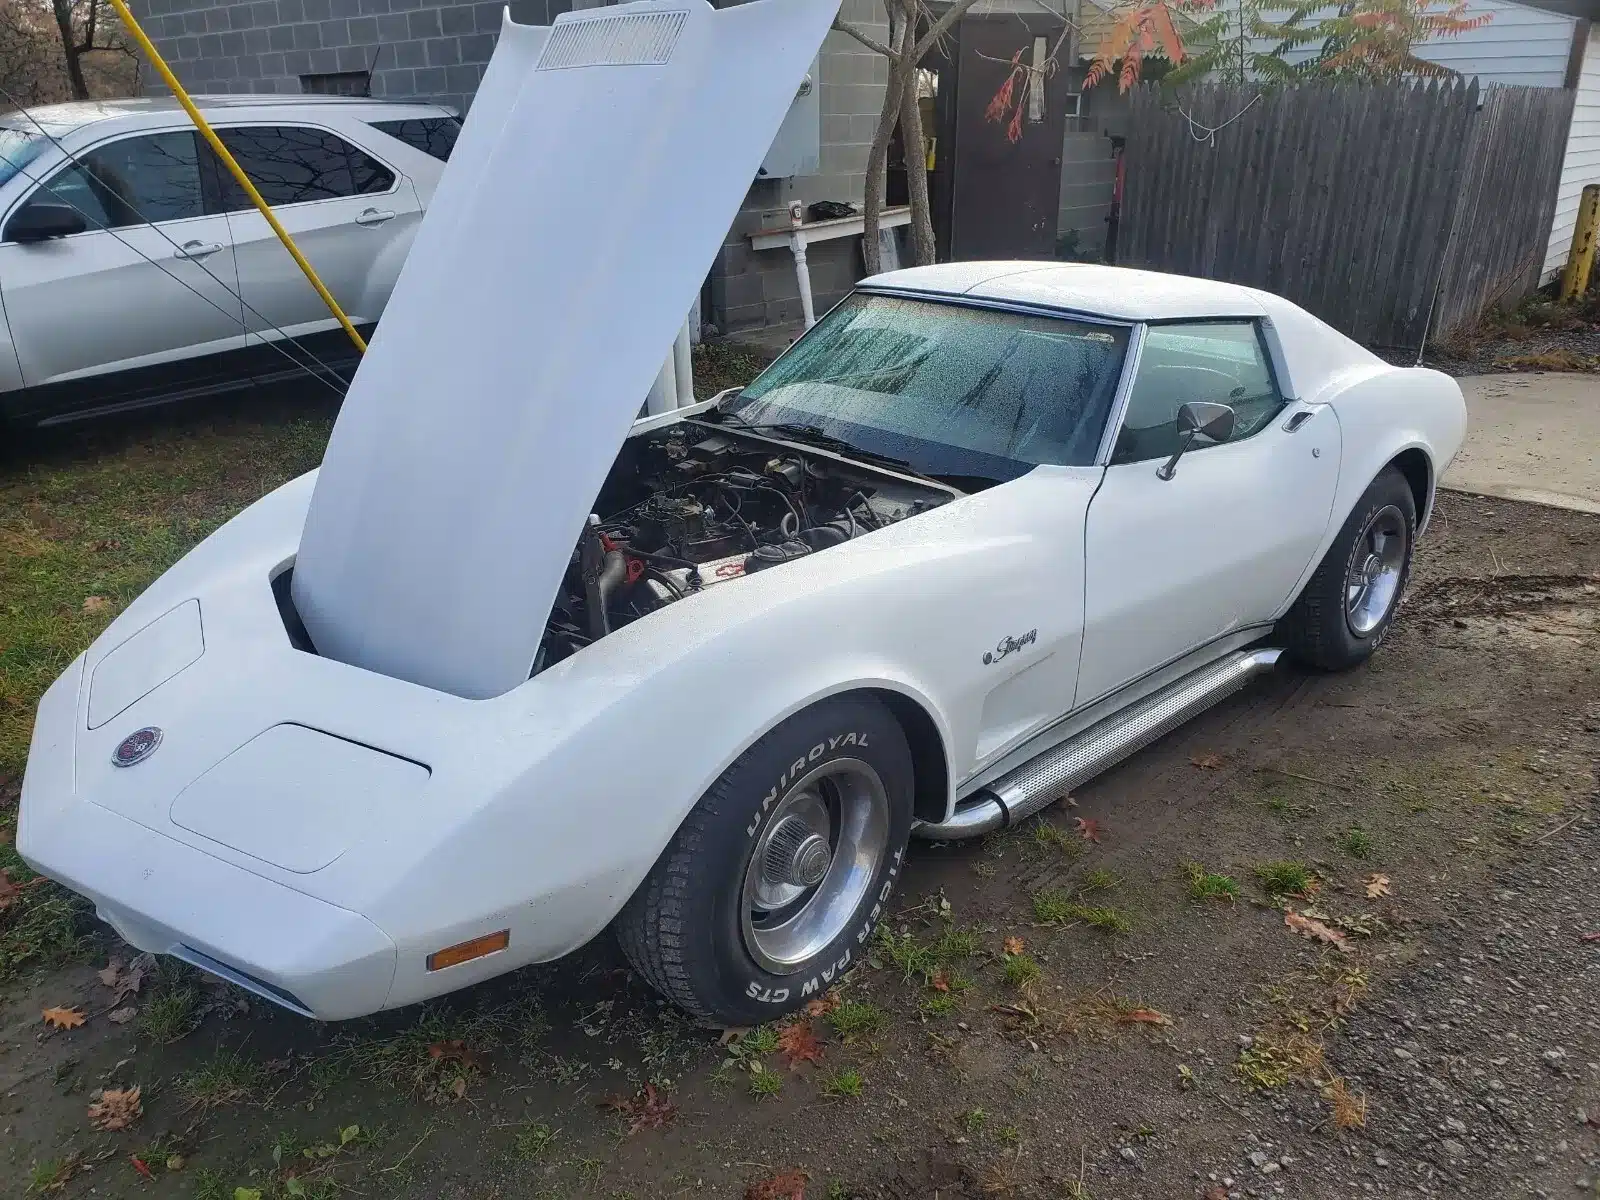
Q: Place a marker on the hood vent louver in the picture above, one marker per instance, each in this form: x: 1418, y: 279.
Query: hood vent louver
x: 632, y: 39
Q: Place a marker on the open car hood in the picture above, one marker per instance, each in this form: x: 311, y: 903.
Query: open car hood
x: 597, y: 174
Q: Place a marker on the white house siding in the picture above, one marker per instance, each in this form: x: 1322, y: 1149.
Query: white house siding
x: 1582, y: 163
x: 1521, y: 46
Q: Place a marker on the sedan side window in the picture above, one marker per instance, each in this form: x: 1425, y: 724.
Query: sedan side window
x: 151, y: 178
x: 1222, y: 362
x: 290, y: 165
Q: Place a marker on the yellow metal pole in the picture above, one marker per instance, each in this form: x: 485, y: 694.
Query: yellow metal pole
x: 1575, y: 279
x: 215, y: 142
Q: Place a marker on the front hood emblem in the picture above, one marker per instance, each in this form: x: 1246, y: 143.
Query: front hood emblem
x: 136, y: 747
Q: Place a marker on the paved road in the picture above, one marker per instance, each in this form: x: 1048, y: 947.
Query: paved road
x: 1532, y: 437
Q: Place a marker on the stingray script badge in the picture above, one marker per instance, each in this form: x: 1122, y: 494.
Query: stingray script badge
x: 1010, y: 645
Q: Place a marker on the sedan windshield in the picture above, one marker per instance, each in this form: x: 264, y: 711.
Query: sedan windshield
x: 952, y: 391
x: 18, y: 148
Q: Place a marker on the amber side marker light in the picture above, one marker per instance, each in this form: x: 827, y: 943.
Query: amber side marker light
x: 452, y: 956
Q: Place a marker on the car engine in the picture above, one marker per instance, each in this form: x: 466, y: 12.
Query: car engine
x: 693, y: 506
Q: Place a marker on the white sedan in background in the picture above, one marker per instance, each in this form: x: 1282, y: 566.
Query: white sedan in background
x: 133, y: 268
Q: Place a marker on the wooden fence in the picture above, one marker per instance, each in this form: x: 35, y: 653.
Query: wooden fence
x: 1393, y: 213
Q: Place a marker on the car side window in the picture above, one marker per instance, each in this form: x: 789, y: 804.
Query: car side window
x: 292, y: 164
x: 431, y: 135
x: 1223, y: 362
x: 155, y: 177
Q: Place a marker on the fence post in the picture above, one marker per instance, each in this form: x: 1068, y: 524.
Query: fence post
x: 1575, y: 279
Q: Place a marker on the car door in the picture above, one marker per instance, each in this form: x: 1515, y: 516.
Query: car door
x: 1172, y: 564
x: 135, y: 301
x: 352, y: 216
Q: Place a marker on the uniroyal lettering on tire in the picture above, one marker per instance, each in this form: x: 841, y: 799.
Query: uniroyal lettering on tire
x: 686, y: 929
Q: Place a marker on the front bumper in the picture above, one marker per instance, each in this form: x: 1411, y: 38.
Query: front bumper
x: 170, y: 898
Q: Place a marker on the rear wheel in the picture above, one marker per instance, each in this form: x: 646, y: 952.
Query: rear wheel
x: 1346, y: 609
x: 772, y: 885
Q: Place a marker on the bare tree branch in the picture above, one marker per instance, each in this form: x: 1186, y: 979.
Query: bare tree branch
x: 863, y: 37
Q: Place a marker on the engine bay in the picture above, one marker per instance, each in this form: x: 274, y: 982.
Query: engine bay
x: 693, y: 506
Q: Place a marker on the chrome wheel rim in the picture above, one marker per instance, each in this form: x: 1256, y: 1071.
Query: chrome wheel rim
x: 1372, y: 581
x: 814, y: 859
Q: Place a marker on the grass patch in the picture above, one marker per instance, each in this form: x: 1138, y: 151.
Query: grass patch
x: 719, y: 365
x: 1020, y: 970
x: 940, y: 1004
x: 45, y: 925
x: 1049, y: 838
x: 439, y: 1056
x: 227, y: 1078
x: 171, y: 1013
x: 1098, y: 880
x: 1208, y: 885
x: 49, y: 1176
x: 918, y: 960
x: 1056, y: 907
x: 533, y: 1142
x: 1273, y: 1061
x: 1357, y: 842
x: 758, y: 1043
x: 845, y: 1085
x: 973, y: 1120
x: 857, y: 1019
x: 1281, y: 880
x: 764, y: 1081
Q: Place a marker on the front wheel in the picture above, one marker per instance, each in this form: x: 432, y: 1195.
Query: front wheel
x: 1349, y: 604
x: 767, y: 894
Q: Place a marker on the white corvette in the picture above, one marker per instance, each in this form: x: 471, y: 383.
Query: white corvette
x: 984, y: 531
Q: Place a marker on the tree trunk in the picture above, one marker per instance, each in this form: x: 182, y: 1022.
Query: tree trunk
x: 900, y: 36
x: 922, y: 249
x: 70, y: 49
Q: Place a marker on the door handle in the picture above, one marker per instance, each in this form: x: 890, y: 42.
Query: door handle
x: 373, y: 216
x: 1296, y: 420
x: 197, y: 250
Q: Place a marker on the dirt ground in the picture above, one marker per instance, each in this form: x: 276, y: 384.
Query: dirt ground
x: 1161, y: 1030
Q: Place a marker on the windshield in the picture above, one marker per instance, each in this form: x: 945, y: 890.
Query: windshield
x: 951, y: 390
x: 17, y: 149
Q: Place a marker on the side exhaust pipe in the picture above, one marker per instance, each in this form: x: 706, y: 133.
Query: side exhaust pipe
x: 1041, y: 781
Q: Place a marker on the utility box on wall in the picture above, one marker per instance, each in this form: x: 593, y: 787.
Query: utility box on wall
x: 797, y: 148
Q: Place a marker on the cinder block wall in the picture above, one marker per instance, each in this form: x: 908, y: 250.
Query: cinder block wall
x: 753, y: 288
x: 419, y: 50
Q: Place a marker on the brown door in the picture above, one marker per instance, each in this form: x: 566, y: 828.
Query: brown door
x: 1004, y: 195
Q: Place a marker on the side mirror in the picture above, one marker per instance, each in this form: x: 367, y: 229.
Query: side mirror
x: 1214, y: 422
x: 41, y: 220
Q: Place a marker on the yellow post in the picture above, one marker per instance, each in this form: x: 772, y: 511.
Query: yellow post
x: 215, y: 142
x: 1575, y: 279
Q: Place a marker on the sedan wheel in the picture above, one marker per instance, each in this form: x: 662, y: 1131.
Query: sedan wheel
x: 1372, y: 583
x: 1348, y: 605
x: 772, y: 886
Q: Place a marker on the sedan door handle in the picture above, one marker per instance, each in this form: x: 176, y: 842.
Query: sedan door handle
x: 197, y: 250
x: 373, y: 216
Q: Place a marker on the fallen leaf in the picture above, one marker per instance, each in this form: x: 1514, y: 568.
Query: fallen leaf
x: 63, y: 1018
x: 456, y: 1050
x: 1088, y: 828
x: 141, y: 1166
x: 458, y: 1089
x: 647, y: 1110
x: 1207, y: 762
x: 1377, y: 885
x: 1144, y: 1016
x: 121, y: 1016
x: 94, y: 604
x: 126, y: 981
x: 798, y: 1043
x: 1215, y: 1192
x: 111, y: 973
x: 8, y: 891
x: 735, y: 1033
x: 105, y: 544
x: 1312, y: 928
x: 1012, y: 945
x: 940, y: 981
x: 244, y: 1193
x: 786, y: 1185
x: 115, y: 1108
x: 1590, y: 937
x: 175, y: 1162
x: 823, y: 1004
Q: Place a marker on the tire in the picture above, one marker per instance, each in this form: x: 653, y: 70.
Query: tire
x: 1338, y: 622
x: 733, y: 940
